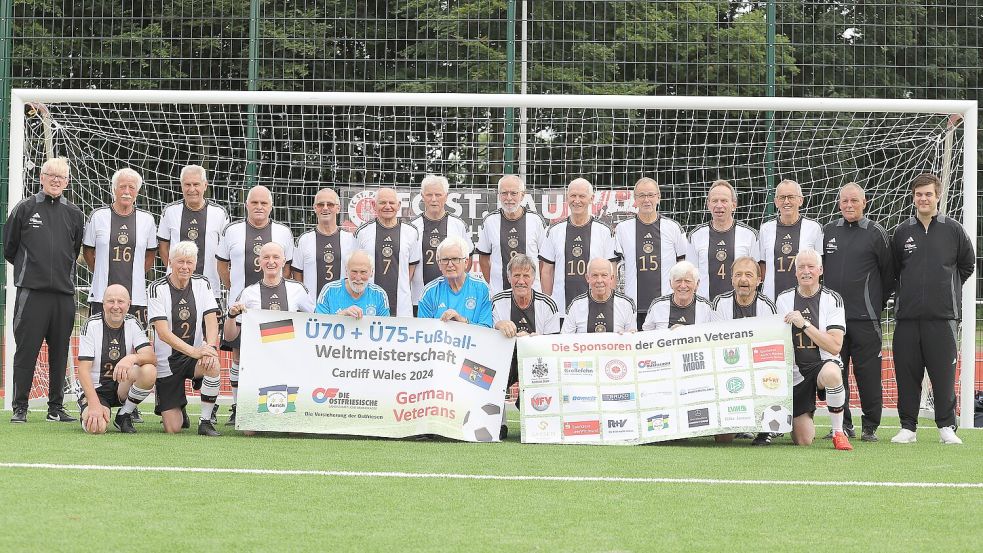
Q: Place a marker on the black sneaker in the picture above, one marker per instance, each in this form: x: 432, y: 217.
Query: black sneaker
x: 205, y: 428
x: 214, y: 417
x: 869, y: 435
x: 59, y: 415
x: 135, y: 416
x: 185, y: 421
x: 19, y: 416
x: 232, y: 416
x: 124, y: 423
x: 850, y: 431
x: 503, y: 432
x: 763, y: 438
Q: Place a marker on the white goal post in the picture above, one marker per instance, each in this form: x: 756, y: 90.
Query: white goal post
x: 627, y: 109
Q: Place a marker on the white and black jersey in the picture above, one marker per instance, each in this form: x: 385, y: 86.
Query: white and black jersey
x: 727, y: 308
x: 121, y: 243
x: 569, y: 249
x: 501, y: 238
x: 105, y: 345
x: 778, y: 245
x: 665, y: 313
x: 240, y: 245
x: 540, y: 317
x: 713, y: 252
x: 179, y: 223
x: 321, y: 257
x: 184, y: 310
x: 824, y: 310
x: 587, y: 315
x: 393, y: 250
x: 288, y: 295
x: 432, y: 233
x: 648, y: 251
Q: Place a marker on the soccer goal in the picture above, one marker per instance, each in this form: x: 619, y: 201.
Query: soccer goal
x: 296, y: 143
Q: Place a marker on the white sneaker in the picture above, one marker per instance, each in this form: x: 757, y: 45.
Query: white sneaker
x: 906, y: 437
x: 947, y: 435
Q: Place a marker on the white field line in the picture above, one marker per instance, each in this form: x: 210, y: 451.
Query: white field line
x: 507, y: 478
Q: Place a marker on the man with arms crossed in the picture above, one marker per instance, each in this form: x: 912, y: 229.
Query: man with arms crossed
x: 714, y: 246
x: 858, y: 265
x: 184, y: 314
x: 508, y: 232
x: 933, y: 257
x: 570, y: 244
x: 818, y: 323
x: 321, y: 252
x: 434, y: 224
x: 395, y: 249
x: 116, y: 365
x: 649, y: 245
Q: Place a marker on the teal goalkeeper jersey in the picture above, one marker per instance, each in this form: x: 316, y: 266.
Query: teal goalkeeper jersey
x: 471, y: 300
x: 334, y: 297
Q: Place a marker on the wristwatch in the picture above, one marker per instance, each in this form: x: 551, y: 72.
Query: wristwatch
x: 806, y: 325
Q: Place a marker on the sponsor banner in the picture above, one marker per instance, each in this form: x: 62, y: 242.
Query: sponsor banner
x: 625, y: 389
x: 387, y: 377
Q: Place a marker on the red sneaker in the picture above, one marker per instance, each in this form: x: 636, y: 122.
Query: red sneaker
x: 841, y: 442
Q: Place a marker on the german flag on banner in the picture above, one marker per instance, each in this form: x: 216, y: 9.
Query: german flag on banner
x: 276, y: 331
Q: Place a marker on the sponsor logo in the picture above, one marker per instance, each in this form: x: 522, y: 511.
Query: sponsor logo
x: 582, y: 428
x: 734, y: 384
x: 626, y: 396
x: 617, y: 423
x: 770, y: 353
x: 585, y: 368
x: 698, y: 417
x: 658, y: 422
x: 732, y: 356
x: 540, y: 369
x: 693, y: 361
x: 568, y: 398
x: 278, y: 399
x: 541, y: 402
x: 335, y: 397
x: 615, y: 369
x: 771, y: 381
x: 737, y: 409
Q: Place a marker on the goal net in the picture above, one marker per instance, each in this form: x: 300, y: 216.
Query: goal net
x: 296, y: 143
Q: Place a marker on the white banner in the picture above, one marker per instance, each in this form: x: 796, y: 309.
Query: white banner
x: 389, y: 377
x: 700, y: 380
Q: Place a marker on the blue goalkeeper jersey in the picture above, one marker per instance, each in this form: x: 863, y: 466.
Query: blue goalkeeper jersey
x: 471, y: 300
x: 334, y: 297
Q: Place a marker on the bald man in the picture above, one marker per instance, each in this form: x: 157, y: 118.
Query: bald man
x: 238, y: 257
x: 321, y: 251
x: 395, y: 249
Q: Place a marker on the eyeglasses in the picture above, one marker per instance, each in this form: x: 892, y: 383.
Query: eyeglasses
x: 56, y: 177
x: 646, y: 196
x: 787, y: 197
x: 449, y: 260
x: 327, y: 204
x: 509, y: 193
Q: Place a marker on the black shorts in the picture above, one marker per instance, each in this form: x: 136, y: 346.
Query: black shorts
x: 138, y: 311
x: 227, y: 345
x: 170, y: 389
x: 804, y: 393
x: 108, y: 395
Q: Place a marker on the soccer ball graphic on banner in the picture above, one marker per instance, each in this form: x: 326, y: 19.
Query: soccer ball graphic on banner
x: 776, y: 418
x: 483, y: 424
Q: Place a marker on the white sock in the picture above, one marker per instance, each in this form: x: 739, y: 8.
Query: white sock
x: 234, y: 380
x: 835, y: 401
x: 209, y: 394
x: 133, y: 398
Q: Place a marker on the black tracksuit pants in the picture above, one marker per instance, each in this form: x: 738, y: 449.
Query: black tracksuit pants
x: 41, y: 315
x: 921, y: 345
x: 862, y: 345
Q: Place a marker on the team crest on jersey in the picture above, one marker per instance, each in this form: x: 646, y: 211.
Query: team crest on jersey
x: 328, y: 257
x: 192, y: 234
x: 648, y: 247
x: 434, y: 241
x: 471, y: 303
x: 577, y: 251
x: 786, y: 248
x: 275, y: 307
x: 513, y: 242
x: 370, y: 310
x: 257, y: 248
x: 600, y: 327
x: 123, y: 238
x: 721, y: 255
x: 114, y: 352
x: 184, y: 314
x: 387, y: 251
